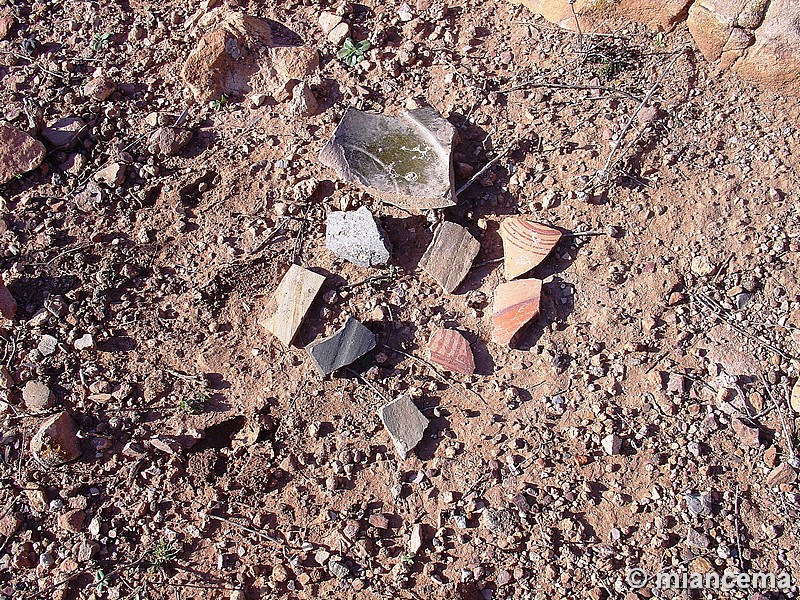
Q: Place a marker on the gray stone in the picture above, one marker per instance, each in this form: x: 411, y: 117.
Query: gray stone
x: 699, y: 504
x: 696, y: 539
x: 85, y: 342
x: 304, y: 102
x: 404, y: 422
x: 64, y: 132
x: 611, y: 444
x: 348, y: 344
x: 499, y: 521
x: 338, y: 569
x: 449, y: 256
x: 37, y: 396
x: 404, y: 160
x: 47, y: 345
x: 357, y: 237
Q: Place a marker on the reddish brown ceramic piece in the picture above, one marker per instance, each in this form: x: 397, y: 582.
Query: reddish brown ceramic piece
x: 451, y: 351
x: 525, y: 244
x: 515, y: 304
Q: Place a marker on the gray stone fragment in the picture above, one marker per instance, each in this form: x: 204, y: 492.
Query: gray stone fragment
x: 85, y: 342
x: 348, y: 344
x: 449, y: 256
x: 699, y: 504
x: 357, y: 237
x: 499, y: 521
x: 47, y: 345
x: 37, y: 396
x: 64, y: 132
x: 611, y: 444
x: 697, y: 539
x: 404, y: 422
x: 338, y: 569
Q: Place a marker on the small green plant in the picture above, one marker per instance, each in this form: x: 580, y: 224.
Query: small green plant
x: 161, y: 554
x: 407, y: 558
x: 100, y: 41
x: 194, y: 404
x: 352, y: 53
x: 660, y: 40
x: 220, y: 103
x: 100, y: 581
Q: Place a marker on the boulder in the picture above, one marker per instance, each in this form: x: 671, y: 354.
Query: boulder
x: 711, y: 23
x: 656, y: 14
x: 758, y: 39
x: 773, y: 61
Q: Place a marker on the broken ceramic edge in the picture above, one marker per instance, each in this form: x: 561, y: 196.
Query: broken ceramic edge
x: 359, y: 151
x: 526, y: 244
x: 516, y: 304
x: 405, y: 423
x: 450, y: 255
x: 342, y: 348
x: 357, y: 237
x: 289, y: 305
x: 451, y: 350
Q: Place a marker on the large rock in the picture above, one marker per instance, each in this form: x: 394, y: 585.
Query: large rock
x: 19, y: 153
x: 758, y: 39
x: 217, y: 64
x: 237, y: 55
x: 656, y: 14
x: 711, y: 23
x: 56, y: 442
x: 773, y: 61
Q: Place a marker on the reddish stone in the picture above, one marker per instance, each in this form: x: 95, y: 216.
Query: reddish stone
x: 72, y: 520
x: 8, y: 306
x: 56, y: 442
x: 783, y: 473
x: 379, y: 521
x: 19, y: 153
x: 450, y: 350
x: 6, y: 23
x: 525, y: 244
x: 515, y: 304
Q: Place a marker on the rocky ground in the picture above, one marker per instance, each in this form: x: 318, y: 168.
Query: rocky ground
x: 158, y: 441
